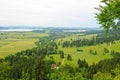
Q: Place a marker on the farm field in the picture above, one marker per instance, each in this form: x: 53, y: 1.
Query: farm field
x: 12, y: 42
x: 21, y: 35
x: 13, y: 46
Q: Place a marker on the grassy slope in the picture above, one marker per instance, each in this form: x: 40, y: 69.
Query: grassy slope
x: 90, y: 58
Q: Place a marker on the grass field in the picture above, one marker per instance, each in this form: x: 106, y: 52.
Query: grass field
x: 90, y: 58
x: 13, y: 46
x: 12, y: 42
x: 21, y: 35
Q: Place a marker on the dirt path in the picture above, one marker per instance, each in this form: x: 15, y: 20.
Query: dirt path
x: 62, y: 62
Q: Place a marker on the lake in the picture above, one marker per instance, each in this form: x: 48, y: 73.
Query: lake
x: 74, y: 30
x: 19, y: 30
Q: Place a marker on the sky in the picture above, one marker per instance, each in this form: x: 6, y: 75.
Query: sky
x: 49, y: 13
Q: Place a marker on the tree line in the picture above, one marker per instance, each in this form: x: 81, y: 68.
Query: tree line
x: 99, y: 39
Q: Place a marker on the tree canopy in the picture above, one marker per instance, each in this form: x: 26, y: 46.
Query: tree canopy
x: 109, y: 14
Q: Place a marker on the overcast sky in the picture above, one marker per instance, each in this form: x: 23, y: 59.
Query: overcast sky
x: 55, y: 13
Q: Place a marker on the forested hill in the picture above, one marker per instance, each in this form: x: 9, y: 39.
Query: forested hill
x: 112, y: 35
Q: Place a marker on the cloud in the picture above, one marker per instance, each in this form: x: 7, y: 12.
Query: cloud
x: 3, y: 19
x: 49, y: 12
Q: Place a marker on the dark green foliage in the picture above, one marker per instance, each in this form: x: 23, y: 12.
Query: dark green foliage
x: 106, y: 50
x: 99, y: 39
x: 79, y: 50
x: 4, y: 69
x: 59, y: 43
x: 105, y: 66
x: 61, y: 54
x: 93, y: 52
x: 66, y: 44
x: 41, y: 69
x: 90, y: 51
x: 51, y: 57
x: 82, y: 63
x: 69, y: 57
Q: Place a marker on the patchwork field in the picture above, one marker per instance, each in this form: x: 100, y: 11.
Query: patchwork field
x: 12, y: 42
x: 21, y: 35
x: 13, y: 46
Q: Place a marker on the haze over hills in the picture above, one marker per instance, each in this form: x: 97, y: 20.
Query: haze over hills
x: 39, y: 27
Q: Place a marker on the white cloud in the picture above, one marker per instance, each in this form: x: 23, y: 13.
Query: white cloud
x: 3, y: 19
x: 49, y: 12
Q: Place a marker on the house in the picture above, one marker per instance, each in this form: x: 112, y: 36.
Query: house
x: 54, y: 66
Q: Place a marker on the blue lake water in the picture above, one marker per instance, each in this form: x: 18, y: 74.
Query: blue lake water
x: 11, y: 30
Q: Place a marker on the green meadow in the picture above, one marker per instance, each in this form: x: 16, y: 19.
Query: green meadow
x: 12, y: 42
x: 12, y: 46
x: 85, y: 54
x: 90, y: 58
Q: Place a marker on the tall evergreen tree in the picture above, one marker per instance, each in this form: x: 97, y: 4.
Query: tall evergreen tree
x: 40, y: 69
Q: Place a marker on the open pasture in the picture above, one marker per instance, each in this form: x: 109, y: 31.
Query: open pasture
x: 90, y: 58
x: 12, y: 42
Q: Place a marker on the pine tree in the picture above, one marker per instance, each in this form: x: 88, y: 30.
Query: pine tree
x: 69, y: 57
x: 41, y: 69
